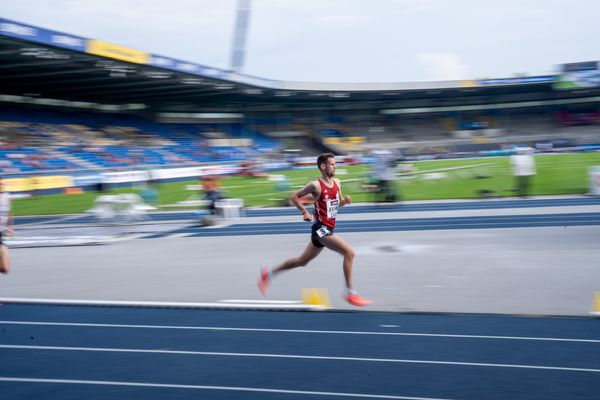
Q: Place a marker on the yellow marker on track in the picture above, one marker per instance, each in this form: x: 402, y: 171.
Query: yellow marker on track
x: 316, y: 297
x: 596, y: 310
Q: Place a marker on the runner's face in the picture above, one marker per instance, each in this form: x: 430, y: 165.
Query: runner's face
x: 330, y: 167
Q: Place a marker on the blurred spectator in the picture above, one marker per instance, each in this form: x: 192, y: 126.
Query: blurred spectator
x: 150, y: 193
x: 384, y: 174
x: 523, y: 166
x: 212, y: 191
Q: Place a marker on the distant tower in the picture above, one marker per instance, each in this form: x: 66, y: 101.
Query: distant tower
x: 239, y: 37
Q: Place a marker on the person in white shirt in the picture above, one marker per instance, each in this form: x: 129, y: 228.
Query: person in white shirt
x: 523, y: 166
x: 6, y: 228
x: 384, y: 173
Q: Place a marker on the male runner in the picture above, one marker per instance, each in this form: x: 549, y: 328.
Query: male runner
x: 6, y: 221
x: 327, y: 192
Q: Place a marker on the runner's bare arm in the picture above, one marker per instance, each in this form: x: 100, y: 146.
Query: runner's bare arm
x: 344, y: 200
x: 310, y: 188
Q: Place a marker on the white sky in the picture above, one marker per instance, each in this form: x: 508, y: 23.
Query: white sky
x: 341, y: 40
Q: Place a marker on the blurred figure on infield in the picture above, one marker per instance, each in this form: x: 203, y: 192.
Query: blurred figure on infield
x: 212, y: 191
x: 523, y: 166
x: 384, y: 173
x: 327, y: 192
x: 6, y: 223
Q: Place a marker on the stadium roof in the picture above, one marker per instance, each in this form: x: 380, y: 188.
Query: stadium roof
x: 55, y: 67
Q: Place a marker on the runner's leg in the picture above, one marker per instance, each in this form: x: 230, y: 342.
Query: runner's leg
x: 336, y: 243
x: 4, y: 259
x: 309, y: 253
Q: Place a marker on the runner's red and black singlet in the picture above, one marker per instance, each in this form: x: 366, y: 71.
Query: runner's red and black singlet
x: 326, y: 206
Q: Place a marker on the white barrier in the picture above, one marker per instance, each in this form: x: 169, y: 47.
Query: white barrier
x: 229, y: 208
x: 129, y: 206
x: 594, y: 173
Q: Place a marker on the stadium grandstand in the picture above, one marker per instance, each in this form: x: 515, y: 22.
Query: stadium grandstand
x: 70, y: 104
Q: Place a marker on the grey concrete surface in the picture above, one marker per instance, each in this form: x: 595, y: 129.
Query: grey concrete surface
x: 515, y: 270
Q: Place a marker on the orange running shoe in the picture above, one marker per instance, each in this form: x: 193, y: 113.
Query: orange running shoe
x: 264, y: 281
x: 357, y: 300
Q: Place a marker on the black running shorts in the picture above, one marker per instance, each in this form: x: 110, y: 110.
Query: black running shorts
x: 319, y: 230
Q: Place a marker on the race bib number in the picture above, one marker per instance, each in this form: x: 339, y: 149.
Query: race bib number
x: 332, y: 208
x: 323, y: 231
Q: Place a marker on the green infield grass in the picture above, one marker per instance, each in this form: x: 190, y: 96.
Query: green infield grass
x: 445, y: 179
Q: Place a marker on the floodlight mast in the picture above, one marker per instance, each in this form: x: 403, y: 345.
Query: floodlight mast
x: 239, y: 37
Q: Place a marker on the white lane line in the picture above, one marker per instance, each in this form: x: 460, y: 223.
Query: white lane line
x: 219, y: 224
x: 110, y: 303
x: 261, y: 301
x: 296, y: 356
x: 204, y: 387
x: 178, y: 235
x: 222, y: 328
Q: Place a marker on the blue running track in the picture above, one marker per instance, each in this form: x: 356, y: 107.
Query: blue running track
x: 71, y: 353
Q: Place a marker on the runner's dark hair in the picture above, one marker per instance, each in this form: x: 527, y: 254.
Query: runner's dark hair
x: 323, y: 158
